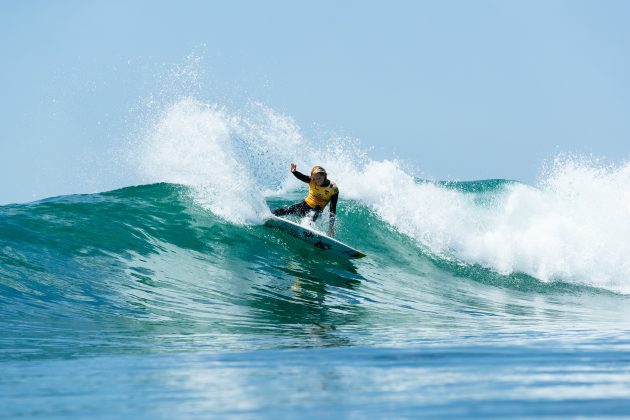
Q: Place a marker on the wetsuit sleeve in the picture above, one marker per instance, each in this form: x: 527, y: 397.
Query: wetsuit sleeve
x: 333, y: 204
x: 301, y: 177
x: 333, y: 213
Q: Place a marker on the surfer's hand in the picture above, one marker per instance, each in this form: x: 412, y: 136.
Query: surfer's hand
x: 293, y: 167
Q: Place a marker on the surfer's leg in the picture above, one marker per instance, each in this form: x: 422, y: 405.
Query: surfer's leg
x: 283, y: 211
x: 299, y: 208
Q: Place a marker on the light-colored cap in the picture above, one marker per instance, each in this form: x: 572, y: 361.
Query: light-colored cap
x: 318, y: 170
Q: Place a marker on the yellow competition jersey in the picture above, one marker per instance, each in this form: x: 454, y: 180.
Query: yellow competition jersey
x: 320, y: 196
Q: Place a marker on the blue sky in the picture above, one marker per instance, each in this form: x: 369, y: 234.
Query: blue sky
x: 458, y: 89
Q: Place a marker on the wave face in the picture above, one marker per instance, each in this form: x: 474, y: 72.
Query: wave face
x: 493, y: 289
x: 146, y: 269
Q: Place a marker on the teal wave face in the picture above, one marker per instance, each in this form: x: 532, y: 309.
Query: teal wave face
x: 482, y: 186
x: 146, y: 269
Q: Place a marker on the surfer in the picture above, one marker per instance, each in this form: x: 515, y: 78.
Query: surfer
x: 321, y: 191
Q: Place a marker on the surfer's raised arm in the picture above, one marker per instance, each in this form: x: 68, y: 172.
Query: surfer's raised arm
x: 299, y: 175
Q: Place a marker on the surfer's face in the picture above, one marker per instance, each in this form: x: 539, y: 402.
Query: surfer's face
x: 319, y: 179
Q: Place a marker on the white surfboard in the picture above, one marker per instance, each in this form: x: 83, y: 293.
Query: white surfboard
x: 313, y: 237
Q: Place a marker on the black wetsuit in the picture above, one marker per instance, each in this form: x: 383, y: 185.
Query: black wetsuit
x: 302, y: 208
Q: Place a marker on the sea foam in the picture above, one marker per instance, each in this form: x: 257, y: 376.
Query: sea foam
x: 573, y: 226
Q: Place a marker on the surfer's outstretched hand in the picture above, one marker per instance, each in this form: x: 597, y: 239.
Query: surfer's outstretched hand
x: 293, y: 167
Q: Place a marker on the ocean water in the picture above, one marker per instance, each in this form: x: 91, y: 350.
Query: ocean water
x: 171, y: 299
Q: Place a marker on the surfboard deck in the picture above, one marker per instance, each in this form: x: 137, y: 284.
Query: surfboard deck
x: 313, y: 237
